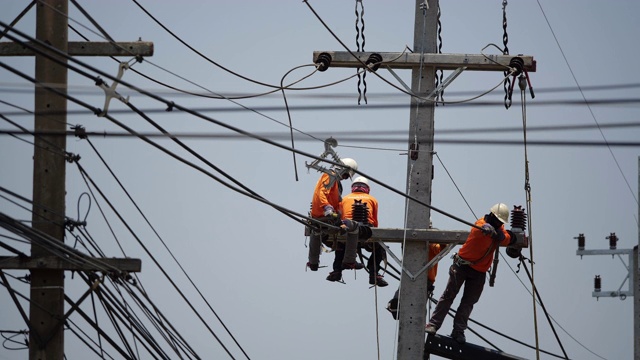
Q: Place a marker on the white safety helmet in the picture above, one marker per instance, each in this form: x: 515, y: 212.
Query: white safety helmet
x: 360, y: 179
x: 360, y: 184
x: 501, y: 211
x: 351, y: 165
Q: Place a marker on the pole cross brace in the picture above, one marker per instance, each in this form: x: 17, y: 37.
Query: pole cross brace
x: 110, y: 91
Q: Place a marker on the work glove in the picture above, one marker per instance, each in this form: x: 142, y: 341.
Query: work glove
x: 488, y: 230
x: 328, y: 210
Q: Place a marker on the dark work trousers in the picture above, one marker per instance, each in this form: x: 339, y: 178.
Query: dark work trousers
x: 339, y: 256
x: 473, y: 281
x: 378, y: 255
x: 315, y: 243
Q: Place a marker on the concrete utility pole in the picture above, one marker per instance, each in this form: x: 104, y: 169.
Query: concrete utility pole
x: 46, y: 316
x: 423, y: 62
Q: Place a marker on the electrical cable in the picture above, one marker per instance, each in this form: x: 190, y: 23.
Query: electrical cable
x: 586, y: 102
x: 86, y: 339
x: 413, y: 95
x: 163, y: 243
x: 319, y: 107
x: 382, y: 136
x: 527, y: 188
x: 19, y: 88
x: 282, y: 87
x: 155, y: 261
x: 454, y: 184
x: 17, y: 19
x: 172, y: 104
x: 452, y: 314
x: 549, y: 316
x: 118, y: 314
x: 286, y: 104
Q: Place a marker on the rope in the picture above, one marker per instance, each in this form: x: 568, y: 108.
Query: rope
x: 375, y: 286
x: 527, y: 188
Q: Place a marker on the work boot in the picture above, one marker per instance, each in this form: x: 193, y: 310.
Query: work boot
x: 312, y: 267
x: 430, y: 329
x: 378, y: 280
x: 335, y: 276
x: 458, y: 336
x: 353, y: 266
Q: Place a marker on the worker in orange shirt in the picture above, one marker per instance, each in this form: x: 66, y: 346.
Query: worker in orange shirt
x: 359, y: 206
x: 325, y: 205
x: 434, y: 249
x: 469, y: 268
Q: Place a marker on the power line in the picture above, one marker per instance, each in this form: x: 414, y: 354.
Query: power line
x: 343, y: 139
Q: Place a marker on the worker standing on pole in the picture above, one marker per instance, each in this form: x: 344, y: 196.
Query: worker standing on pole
x: 469, y: 267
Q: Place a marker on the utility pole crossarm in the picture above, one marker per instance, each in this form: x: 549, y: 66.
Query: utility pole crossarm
x: 404, y: 60
x: 84, y: 48
x: 430, y: 235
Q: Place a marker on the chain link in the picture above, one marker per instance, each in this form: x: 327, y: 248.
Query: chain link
x: 362, y: 94
x: 440, y: 72
x: 505, y: 41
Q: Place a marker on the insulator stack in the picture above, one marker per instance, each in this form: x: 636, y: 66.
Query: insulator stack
x: 360, y: 212
x: 581, y: 241
x: 518, y: 218
x: 613, y: 240
x: 597, y: 283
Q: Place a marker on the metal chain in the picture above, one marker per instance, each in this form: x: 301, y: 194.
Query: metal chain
x: 505, y: 41
x: 440, y: 72
x: 360, y: 47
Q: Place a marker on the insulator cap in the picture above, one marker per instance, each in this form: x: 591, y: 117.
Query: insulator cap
x: 518, y: 64
x: 374, y: 61
x: 323, y: 61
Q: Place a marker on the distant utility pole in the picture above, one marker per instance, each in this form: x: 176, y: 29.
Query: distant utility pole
x: 633, y: 276
x: 423, y: 62
x: 46, y: 316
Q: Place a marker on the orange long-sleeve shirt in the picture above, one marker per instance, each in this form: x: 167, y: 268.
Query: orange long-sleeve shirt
x: 479, y: 244
x: 372, y: 205
x: 323, y: 196
x: 434, y: 249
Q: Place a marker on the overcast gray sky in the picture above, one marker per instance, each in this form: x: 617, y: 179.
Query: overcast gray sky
x: 248, y: 259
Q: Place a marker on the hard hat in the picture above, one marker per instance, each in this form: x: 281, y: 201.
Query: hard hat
x: 351, y: 165
x: 360, y: 179
x: 501, y: 211
x: 360, y: 184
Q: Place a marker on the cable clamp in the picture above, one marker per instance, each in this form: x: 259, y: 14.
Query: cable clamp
x: 110, y: 91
